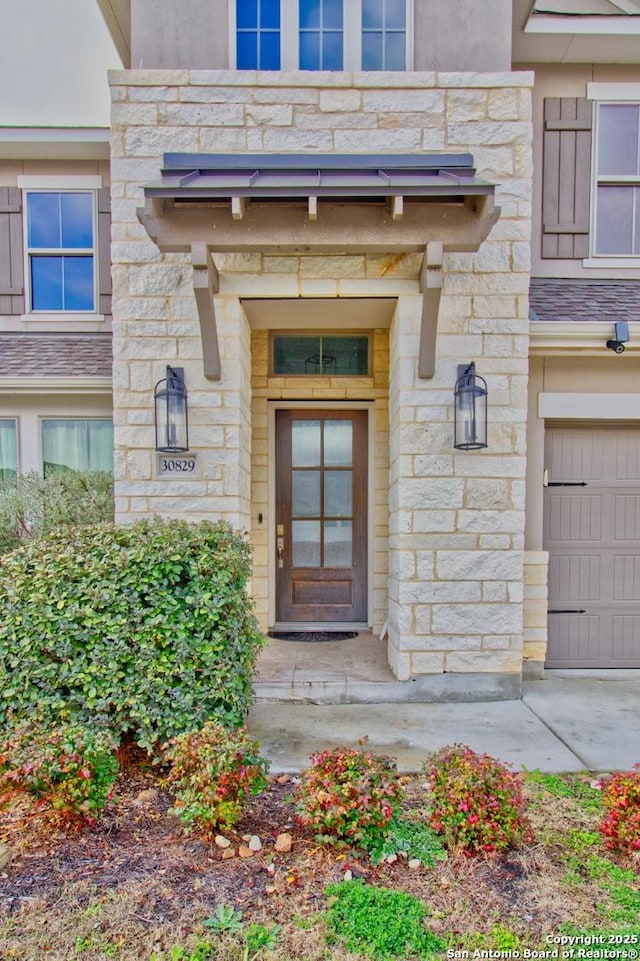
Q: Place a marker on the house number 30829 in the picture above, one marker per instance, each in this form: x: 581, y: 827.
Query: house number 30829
x: 170, y: 466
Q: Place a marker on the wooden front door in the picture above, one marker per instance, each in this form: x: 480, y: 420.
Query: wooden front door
x: 321, y: 516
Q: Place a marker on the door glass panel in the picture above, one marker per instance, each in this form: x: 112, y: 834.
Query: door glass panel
x: 338, y: 443
x: 338, y: 485
x: 305, y: 443
x: 305, y: 539
x: 337, y: 543
x: 305, y: 493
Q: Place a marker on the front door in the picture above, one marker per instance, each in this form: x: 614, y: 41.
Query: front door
x: 321, y: 516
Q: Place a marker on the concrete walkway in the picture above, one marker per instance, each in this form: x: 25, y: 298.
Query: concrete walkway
x: 569, y: 721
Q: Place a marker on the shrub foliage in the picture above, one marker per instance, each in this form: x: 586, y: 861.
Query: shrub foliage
x: 35, y: 506
x: 477, y: 803
x: 71, y: 769
x: 212, y: 772
x: 144, y: 628
x: 621, y: 798
x: 349, y: 796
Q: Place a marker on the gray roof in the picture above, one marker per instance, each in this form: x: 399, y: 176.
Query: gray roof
x: 566, y: 300
x: 296, y: 176
x: 55, y: 355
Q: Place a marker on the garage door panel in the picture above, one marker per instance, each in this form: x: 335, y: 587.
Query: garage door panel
x: 626, y: 577
x: 574, y: 517
x: 575, y: 578
x: 626, y: 640
x: 574, y: 639
x: 577, y: 456
x: 626, y: 512
x: 592, y: 533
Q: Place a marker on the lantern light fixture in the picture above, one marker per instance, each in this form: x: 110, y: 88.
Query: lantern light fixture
x: 470, y: 414
x: 171, y: 412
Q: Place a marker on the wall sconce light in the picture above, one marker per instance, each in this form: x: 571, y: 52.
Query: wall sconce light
x: 171, y: 414
x: 470, y: 400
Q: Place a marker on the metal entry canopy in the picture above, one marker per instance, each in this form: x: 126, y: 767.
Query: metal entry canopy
x: 187, y: 176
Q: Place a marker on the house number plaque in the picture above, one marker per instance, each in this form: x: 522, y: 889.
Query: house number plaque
x: 176, y: 465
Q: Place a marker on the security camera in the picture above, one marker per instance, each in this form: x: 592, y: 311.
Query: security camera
x: 621, y: 337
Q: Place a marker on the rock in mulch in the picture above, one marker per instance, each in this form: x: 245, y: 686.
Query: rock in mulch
x: 221, y: 842
x: 283, y: 843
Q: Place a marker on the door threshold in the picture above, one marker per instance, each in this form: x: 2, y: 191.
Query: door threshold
x: 320, y: 626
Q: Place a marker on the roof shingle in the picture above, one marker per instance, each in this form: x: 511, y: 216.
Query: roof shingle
x: 55, y: 355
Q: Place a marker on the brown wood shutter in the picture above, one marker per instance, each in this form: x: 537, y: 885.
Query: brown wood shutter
x: 11, y: 252
x: 104, y: 250
x: 566, y: 177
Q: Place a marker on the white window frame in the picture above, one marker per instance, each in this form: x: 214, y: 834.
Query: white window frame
x: 61, y: 184
x: 607, y: 93
x: 352, y: 35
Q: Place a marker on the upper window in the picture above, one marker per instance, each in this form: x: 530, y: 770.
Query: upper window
x: 60, y: 250
x: 322, y: 34
x: 8, y: 452
x: 617, y: 186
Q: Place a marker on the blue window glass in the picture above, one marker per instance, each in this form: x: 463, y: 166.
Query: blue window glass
x: 258, y: 34
x: 384, y: 34
x: 321, y: 34
x: 62, y: 283
x: 60, y: 237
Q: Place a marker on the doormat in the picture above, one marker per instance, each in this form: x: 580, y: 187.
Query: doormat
x: 312, y: 635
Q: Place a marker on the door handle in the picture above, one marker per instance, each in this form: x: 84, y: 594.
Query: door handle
x: 280, y: 551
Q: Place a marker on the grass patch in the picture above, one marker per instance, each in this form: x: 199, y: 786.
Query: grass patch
x: 380, y: 923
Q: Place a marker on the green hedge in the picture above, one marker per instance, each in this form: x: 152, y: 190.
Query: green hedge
x: 34, y: 506
x: 144, y: 628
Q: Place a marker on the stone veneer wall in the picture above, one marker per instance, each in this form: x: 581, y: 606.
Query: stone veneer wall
x: 536, y: 571
x: 456, y: 520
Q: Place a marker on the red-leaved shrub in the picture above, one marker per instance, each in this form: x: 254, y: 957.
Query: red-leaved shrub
x: 70, y: 769
x: 477, y: 803
x: 621, y: 797
x: 349, y: 796
x: 212, y: 772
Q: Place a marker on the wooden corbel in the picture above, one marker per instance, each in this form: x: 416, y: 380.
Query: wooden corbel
x: 206, y: 283
x: 431, y: 288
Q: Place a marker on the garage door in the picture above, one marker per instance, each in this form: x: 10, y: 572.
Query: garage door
x: 592, y: 533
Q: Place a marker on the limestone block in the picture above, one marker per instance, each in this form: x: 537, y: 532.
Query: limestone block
x: 516, y: 592
x: 535, y: 612
x: 201, y: 114
x: 130, y: 114
x: 490, y: 466
x: 487, y: 132
x: 504, y: 105
x: 371, y: 141
x: 493, y: 257
x: 288, y: 139
x: 284, y: 94
x: 466, y: 105
x: 491, y: 494
x: 501, y: 79
x: 337, y: 101
x: 497, y: 542
x: 138, y: 465
x: 153, y: 141
x: 400, y: 663
x: 490, y: 521
x: 521, y: 256
x: 426, y: 493
x: 484, y: 662
x: 432, y: 465
x: 479, y: 565
x: 477, y: 619
x: 423, y: 662
x: 140, y: 416
x: 433, y: 139
x: 494, y: 161
x: 332, y: 267
x: 493, y: 591
x: 497, y: 642
x: 273, y: 115
x: 430, y: 522
x: 401, y: 101
x: 227, y: 141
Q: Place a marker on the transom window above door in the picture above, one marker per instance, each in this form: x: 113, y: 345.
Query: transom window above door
x: 336, y: 355
x: 321, y: 34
